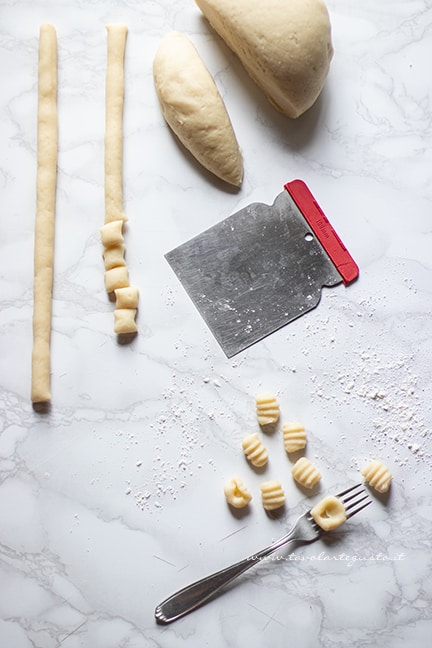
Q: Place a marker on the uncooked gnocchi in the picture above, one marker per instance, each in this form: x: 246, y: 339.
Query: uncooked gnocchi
x: 236, y: 493
x: 329, y: 513
x: 267, y: 408
x: 112, y: 233
x: 114, y: 256
x: 377, y: 475
x: 272, y: 495
x: 117, y: 277
x: 124, y: 321
x: 255, y: 450
x: 305, y: 473
x: 294, y: 436
x: 126, y: 297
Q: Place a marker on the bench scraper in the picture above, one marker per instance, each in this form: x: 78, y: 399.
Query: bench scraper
x: 262, y: 267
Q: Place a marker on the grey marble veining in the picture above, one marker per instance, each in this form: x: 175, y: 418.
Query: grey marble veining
x: 114, y: 498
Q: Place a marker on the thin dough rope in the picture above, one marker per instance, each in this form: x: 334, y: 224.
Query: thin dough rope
x: 46, y: 184
x: 114, y: 99
x: 116, y: 272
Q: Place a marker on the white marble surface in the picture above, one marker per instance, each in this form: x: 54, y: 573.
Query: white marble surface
x: 114, y: 499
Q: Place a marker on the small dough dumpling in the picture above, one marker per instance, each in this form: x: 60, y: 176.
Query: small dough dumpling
x: 377, y: 475
x: 267, y: 409
x: 272, y: 495
x: 117, y: 277
x: 305, y: 473
x: 284, y: 45
x: 236, y: 493
x: 126, y: 297
x: 255, y: 450
x: 111, y: 233
x: 329, y: 513
x: 114, y: 257
x: 124, y: 321
x: 194, y: 109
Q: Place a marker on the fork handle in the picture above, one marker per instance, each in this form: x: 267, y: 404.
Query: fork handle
x: 201, y: 591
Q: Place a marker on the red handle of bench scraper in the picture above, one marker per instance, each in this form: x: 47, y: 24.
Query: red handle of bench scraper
x: 323, y: 230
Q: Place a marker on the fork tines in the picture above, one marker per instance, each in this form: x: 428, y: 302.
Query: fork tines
x: 354, y: 499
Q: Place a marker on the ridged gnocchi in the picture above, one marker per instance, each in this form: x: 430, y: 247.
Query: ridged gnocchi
x: 377, y: 475
x: 294, y: 436
x: 255, y: 450
x: 267, y: 409
x: 272, y: 495
x: 329, y: 513
x: 305, y: 473
x: 236, y: 493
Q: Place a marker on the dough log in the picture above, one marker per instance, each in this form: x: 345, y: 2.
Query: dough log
x: 46, y: 181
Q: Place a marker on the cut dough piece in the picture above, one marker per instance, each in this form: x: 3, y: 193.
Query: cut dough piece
x: 285, y: 46
x: 116, y: 278
x: 127, y: 297
x: 194, y: 109
x: 46, y: 182
x: 114, y: 257
x: 267, y: 409
x: 294, y: 436
x: 272, y: 495
x: 124, y: 320
x: 329, y: 513
x: 305, y: 473
x: 255, y: 450
x: 114, y: 99
x: 377, y: 475
x: 112, y: 233
x: 236, y: 493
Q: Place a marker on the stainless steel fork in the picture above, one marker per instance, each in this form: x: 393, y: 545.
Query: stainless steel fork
x: 304, y: 530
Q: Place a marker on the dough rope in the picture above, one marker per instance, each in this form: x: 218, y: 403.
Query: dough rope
x: 46, y: 184
x: 116, y: 271
x: 114, y: 100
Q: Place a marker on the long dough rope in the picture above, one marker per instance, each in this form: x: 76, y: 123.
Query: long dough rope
x: 114, y: 98
x: 116, y: 272
x: 46, y: 181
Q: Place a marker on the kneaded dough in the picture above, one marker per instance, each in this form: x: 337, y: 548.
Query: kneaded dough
x: 285, y: 46
x: 194, y: 109
x: 46, y: 182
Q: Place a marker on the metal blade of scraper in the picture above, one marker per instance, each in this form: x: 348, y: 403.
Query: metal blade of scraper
x: 262, y: 267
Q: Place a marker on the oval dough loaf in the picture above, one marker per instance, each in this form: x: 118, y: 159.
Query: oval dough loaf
x: 194, y: 109
x: 285, y: 46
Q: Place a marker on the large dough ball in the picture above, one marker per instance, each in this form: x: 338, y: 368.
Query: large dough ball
x: 194, y: 109
x: 285, y: 45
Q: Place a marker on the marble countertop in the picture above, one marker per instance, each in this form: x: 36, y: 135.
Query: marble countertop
x: 114, y: 499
